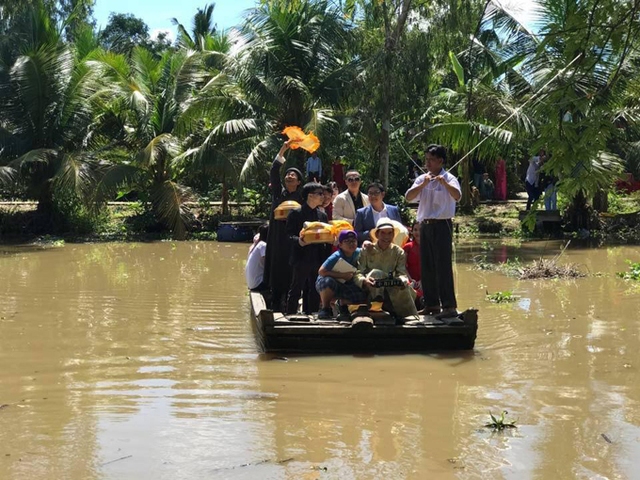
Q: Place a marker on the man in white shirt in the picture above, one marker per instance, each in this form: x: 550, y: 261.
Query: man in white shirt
x: 437, y: 192
x: 314, y: 168
x: 254, y: 270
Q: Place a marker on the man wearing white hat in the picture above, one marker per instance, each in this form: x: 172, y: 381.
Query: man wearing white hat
x: 386, y: 259
x: 437, y: 192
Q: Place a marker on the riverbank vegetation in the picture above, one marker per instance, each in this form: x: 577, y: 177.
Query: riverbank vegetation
x: 88, y: 117
x: 540, y: 268
x: 633, y: 273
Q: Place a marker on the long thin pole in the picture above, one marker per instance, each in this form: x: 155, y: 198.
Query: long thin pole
x: 517, y: 110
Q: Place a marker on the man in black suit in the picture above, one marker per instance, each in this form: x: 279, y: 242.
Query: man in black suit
x: 306, y: 258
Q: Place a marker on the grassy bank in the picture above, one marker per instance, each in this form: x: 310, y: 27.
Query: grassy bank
x: 127, y: 221
x: 20, y: 222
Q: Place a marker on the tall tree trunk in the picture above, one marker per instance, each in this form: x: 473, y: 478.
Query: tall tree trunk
x: 601, y: 201
x: 225, y: 195
x: 384, y: 151
x: 579, y: 214
x: 466, y: 202
x: 393, y: 34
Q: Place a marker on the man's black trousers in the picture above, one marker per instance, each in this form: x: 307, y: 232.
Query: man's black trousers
x: 436, y: 263
x: 304, y: 274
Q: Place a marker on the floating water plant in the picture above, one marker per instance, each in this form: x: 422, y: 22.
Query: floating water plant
x: 540, y: 268
x: 502, y: 297
x: 633, y: 273
x: 500, y: 423
x: 550, y: 269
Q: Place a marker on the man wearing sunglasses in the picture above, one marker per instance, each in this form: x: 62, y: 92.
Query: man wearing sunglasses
x: 346, y: 204
x: 367, y: 217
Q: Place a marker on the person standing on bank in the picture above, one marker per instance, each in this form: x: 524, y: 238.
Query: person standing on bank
x: 347, y: 203
x: 277, y: 272
x: 532, y: 178
x: 367, y: 217
x: 314, y: 168
x: 437, y: 193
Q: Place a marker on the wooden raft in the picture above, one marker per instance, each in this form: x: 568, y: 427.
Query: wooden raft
x: 276, y: 332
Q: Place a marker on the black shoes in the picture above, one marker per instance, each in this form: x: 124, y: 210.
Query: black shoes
x: 325, y: 314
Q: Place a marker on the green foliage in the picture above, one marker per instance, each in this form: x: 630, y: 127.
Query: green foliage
x: 622, y: 204
x: 502, y: 297
x: 500, y: 423
x: 633, y: 273
x: 259, y: 207
x: 71, y: 217
x: 457, y: 68
x: 293, y: 70
x: 87, y: 116
x: 124, y: 32
x: 488, y: 225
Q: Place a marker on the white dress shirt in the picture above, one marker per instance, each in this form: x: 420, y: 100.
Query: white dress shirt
x: 378, y: 215
x: 434, y: 199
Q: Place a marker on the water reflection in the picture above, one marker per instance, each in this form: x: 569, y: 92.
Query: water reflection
x: 138, y: 361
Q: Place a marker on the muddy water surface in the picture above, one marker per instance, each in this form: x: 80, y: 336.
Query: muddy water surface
x: 137, y: 361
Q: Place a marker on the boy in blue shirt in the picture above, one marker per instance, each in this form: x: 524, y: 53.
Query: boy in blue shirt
x: 335, y: 277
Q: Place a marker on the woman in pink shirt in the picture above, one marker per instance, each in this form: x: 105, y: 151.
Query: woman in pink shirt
x: 501, y: 180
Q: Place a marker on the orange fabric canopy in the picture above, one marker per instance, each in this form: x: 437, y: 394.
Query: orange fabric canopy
x: 299, y: 139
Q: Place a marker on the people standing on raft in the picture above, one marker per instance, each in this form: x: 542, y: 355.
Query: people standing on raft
x: 367, y: 217
x: 254, y: 270
x: 347, y: 203
x: 414, y: 266
x: 437, y: 193
x: 277, y: 272
x: 306, y: 258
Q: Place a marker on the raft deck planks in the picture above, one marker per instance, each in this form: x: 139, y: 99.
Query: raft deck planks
x: 276, y: 332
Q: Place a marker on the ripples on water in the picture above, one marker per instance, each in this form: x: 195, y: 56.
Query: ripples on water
x: 137, y: 361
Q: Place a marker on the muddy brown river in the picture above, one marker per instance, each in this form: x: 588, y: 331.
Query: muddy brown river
x: 137, y: 361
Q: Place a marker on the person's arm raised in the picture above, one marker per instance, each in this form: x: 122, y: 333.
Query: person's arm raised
x: 283, y: 150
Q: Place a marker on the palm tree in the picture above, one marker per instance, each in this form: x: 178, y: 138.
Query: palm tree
x: 574, y: 70
x: 221, y: 127
x: 203, y: 33
x: 149, y: 97
x: 47, y: 98
x: 217, y: 145
x: 292, y: 69
x: 583, y: 111
x: 477, y: 113
x: 390, y: 18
